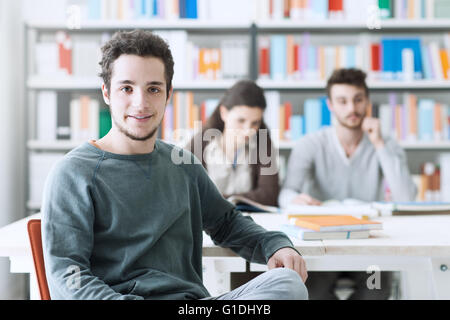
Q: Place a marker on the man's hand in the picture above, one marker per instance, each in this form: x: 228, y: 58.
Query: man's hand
x: 305, y: 199
x: 288, y: 258
x: 373, y: 128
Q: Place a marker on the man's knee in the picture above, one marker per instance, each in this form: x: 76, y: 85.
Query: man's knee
x: 291, y: 282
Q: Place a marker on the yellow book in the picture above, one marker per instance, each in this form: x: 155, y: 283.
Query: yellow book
x: 336, y: 223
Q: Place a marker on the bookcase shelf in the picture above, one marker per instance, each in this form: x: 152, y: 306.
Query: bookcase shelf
x: 94, y: 83
x: 441, y: 146
x: 331, y: 25
x: 373, y: 85
x: 154, y: 24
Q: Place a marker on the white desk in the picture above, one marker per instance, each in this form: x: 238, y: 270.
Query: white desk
x: 418, y: 246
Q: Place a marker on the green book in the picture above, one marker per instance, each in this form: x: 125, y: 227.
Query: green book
x: 385, y: 8
x: 441, y: 9
x: 105, y: 122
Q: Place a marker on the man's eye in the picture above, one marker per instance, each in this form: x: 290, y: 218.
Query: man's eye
x: 126, y: 89
x: 154, y: 90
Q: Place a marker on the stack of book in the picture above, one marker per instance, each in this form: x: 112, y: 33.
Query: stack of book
x: 330, y: 227
x: 412, y: 208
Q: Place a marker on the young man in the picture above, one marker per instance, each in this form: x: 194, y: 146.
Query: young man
x: 349, y: 160
x: 121, y: 220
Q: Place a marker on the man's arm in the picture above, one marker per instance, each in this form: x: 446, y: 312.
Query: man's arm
x: 393, y: 162
x: 68, y: 237
x: 394, y: 165
x: 230, y: 229
x: 300, y: 169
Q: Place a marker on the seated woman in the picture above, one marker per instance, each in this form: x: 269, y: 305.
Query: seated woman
x: 238, y: 157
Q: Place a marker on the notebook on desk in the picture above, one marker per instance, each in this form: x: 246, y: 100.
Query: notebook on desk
x: 412, y: 208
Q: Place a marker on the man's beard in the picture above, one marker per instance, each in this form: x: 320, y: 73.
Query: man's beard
x: 134, y: 137
x: 352, y: 127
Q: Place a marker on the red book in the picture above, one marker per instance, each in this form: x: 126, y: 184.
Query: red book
x: 376, y: 56
x: 65, y: 51
x: 336, y: 5
x: 287, y: 8
x: 296, y: 58
x: 287, y: 115
x: 203, y: 112
x: 264, y: 57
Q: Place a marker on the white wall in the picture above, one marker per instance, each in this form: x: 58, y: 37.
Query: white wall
x: 12, y: 135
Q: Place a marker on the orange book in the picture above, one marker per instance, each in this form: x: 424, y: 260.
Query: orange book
x: 190, y: 106
x: 337, y: 56
x: 84, y: 114
x: 282, y: 119
x: 444, y: 62
x: 336, y: 223
x: 202, y: 67
x: 287, y: 115
x: 321, y: 62
x: 369, y: 111
x: 120, y: 14
x: 290, y: 55
x: 437, y: 125
x: 412, y: 108
x: 410, y: 7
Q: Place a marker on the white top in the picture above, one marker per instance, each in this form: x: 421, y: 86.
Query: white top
x: 230, y: 177
x: 319, y: 167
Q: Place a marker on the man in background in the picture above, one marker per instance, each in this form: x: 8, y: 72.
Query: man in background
x: 350, y: 160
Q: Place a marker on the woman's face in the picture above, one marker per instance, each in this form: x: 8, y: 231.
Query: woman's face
x: 242, y: 122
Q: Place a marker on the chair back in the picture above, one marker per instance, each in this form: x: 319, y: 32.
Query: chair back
x: 34, y: 233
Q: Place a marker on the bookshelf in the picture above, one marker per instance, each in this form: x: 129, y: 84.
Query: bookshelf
x: 204, y: 32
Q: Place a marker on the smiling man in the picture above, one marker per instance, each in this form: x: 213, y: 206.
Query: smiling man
x: 348, y: 160
x: 123, y: 221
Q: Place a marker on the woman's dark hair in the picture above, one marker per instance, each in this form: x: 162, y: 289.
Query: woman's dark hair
x: 242, y: 93
x: 137, y: 42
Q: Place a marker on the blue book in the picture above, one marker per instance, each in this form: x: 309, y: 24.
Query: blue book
x: 191, y: 9
x: 351, y: 57
x: 182, y: 8
x: 387, y: 62
x: 325, y: 112
x: 397, y: 66
x: 415, y: 45
x: 307, y: 234
x: 297, y: 126
x: 426, y: 62
x: 94, y: 9
x: 313, y: 117
x: 278, y: 57
x: 425, y: 119
x: 155, y: 8
x: 319, y: 8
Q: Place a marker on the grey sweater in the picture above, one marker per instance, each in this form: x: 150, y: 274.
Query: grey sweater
x: 319, y: 167
x: 130, y: 226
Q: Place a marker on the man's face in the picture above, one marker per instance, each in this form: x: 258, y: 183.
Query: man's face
x: 349, y: 105
x: 137, y: 97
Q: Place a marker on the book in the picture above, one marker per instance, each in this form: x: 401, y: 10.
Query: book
x: 414, y: 208
x: 336, y: 223
x: 246, y: 205
x: 307, y: 234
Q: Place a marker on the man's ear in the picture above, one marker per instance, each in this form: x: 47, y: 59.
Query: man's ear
x: 105, y: 94
x: 329, y: 105
x: 169, y: 96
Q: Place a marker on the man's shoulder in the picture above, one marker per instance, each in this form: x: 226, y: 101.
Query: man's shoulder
x: 79, y: 162
x: 315, y: 140
x: 176, y: 155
